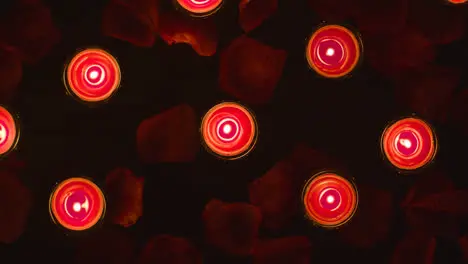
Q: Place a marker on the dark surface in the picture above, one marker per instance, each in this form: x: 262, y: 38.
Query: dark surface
x: 63, y: 138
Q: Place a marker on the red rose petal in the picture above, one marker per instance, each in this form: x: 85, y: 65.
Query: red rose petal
x: 200, y: 34
x: 463, y: 242
x: 232, y: 227
x: 306, y: 161
x: 415, y: 248
x: 393, y: 55
x: 16, y: 202
x: 125, y: 195
x: 371, y: 223
x: 250, y: 70
x: 429, y: 183
x: 429, y: 92
x: 441, y: 224
x: 11, y: 72
x: 451, y: 202
x: 166, y: 249
x: 150, y: 8
x: 171, y: 136
x: 105, y: 246
x: 125, y: 22
x: 439, y: 22
x: 252, y: 13
x: 29, y: 27
x: 291, y: 250
x: 275, y: 195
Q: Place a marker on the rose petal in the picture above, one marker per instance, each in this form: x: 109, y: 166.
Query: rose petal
x: 11, y: 72
x: 125, y: 195
x: 306, y: 161
x: 439, y: 22
x: 105, y: 246
x: 415, y: 248
x: 124, y: 22
x: 232, y: 227
x: 440, y: 224
x: 150, y: 8
x: 381, y: 16
x: 252, y: 13
x: 276, y: 193
x: 429, y: 92
x: 291, y: 250
x: 250, y: 70
x: 398, y: 53
x: 16, y: 202
x: 451, y: 202
x: 371, y: 223
x: 29, y: 27
x: 200, y: 34
x: 437, y: 224
x: 463, y: 242
x: 429, y: 183
x: 171, y: 136
x: 166, y: 249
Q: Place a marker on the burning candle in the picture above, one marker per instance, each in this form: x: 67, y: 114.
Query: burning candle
x: 457, y: 1
x: 93, y: 75
x: 9, y: 133
x: 333, y: 51
x: 329, y: 199
x: 409, y: 143
x: 77, y: 204
x: 229, y: 130
x: 200, y: 7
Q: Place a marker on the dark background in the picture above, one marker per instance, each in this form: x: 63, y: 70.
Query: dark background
x: 344, y: 118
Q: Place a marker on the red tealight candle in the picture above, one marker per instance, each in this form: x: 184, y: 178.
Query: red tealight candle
x: 333, y: 51
x: 200, y: 7
x: 77, y: 204
x: 229, y: 130
x: 93, y: 75
x: 329, y: 199
x: 409, y: 143
x: 9, y: 133
x: 457, y: 1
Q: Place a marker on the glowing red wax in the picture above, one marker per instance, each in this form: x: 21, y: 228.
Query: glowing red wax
x: 409, y: 143
x: 200, y: 7
x: 333, y: 51
x: 457, y: 1
x: 93, y: 75
x: 329, y: 199
x: 229, y: 130
x: 9, y: 133
x: 77, y: 204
